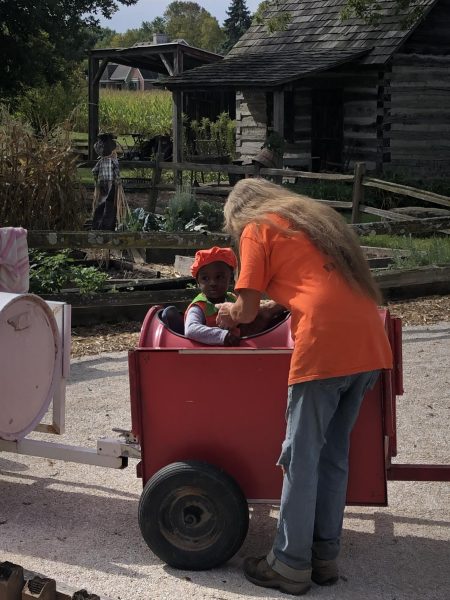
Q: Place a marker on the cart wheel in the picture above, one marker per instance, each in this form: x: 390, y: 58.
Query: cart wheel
x: 193, y: 516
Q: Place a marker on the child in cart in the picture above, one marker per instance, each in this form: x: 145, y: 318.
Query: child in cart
x: 213, y: 270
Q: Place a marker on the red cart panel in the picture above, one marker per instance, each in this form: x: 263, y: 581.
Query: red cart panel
x: 226, y: 407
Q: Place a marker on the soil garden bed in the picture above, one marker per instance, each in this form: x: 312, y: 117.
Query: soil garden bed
x: 123, y: 336
x: 129, y: 300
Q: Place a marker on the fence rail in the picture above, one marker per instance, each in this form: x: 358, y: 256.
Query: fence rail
x: 359, y: 180
x: 51, y: 240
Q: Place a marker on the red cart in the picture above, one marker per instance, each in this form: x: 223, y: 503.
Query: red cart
x: 204, y: 455
x: 207, y: 425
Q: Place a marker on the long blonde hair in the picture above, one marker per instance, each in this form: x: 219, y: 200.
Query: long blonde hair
x: 253, y: 199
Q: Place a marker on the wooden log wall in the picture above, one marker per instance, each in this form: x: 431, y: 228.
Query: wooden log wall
x: 420, y: 98
x: 360, y: 86
x: 251, y: 122
x: 360, y: 118
x: 360, y: 101
x: 298, y: 153
x: 420, y: 114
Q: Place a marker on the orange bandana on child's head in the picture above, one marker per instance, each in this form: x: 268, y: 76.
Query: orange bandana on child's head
x: 215, y: 254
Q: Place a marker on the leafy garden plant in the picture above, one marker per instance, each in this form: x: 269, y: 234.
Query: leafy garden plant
x: 51, y: 273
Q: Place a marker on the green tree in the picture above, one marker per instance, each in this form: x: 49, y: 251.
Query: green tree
x: 191, y: 22
x: 43, y: 41
x: 237, y: 23
x: 111, y: 39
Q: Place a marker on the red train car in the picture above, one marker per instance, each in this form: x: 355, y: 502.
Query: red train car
x: 210, y: 422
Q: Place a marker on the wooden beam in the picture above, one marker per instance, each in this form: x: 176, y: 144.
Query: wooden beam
x: 177, y: 137
x: 307, y: 174
x: 406, y: 190
x: 206, y: 168
x: 387, y: 214
x: 51, y: 240
x: 177, y: 127
x: 413, y: 227
x: 166, y: 63
x: 358, y: 190
x: 223, y: 168
x: 419, y: 275
x: 100, y: 70
x: 121, y: 240
x: 93, y: 100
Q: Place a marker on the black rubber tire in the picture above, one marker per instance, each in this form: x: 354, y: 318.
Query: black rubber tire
x: 193, y: 516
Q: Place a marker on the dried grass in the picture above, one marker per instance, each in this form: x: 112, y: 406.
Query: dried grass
x: 39, y: 186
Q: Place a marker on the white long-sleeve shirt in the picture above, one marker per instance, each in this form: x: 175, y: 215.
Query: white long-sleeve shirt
x: 195, y: 328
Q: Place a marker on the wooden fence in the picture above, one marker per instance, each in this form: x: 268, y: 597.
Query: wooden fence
x: 358, y: 179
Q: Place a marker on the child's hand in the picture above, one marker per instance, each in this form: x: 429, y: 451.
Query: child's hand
x: 231, y: 339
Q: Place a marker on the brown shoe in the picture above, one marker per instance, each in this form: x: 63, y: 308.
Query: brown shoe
x: 324, y: 572
x: 258, y: 571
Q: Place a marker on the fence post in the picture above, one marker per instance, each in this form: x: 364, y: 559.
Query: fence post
x: 358, y: 190
x: 156, y: 179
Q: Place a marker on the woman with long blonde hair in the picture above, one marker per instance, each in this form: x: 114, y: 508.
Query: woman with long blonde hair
x: 303, y: 255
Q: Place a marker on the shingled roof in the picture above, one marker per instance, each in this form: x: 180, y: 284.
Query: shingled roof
x: 315, y: 39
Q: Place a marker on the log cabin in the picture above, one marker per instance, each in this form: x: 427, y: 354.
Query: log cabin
x: 340, y: 91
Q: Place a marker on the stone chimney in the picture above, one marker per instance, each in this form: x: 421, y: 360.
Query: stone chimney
x: 160, y: 38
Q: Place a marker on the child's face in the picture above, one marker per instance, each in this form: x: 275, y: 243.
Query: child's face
x: 214, y: 280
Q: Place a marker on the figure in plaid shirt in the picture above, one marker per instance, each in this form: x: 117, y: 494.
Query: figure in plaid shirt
x: 107, y: 175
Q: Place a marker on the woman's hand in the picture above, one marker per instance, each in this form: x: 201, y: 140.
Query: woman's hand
x: 224, y: 318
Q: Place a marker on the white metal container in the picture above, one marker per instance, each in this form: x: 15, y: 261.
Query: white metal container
x: 30, y: 363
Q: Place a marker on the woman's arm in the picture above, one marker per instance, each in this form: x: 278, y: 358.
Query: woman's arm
x: 244, y: 310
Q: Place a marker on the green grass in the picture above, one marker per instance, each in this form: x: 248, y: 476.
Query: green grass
x: 421, y: 251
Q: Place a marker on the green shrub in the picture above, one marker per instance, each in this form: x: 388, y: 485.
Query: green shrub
x: 213, y: 138
x: 182, y: 208
x: 50, y: 273
x: 47, y: 107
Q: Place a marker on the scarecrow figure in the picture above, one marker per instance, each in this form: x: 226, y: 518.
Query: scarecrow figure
x: 107, y: 183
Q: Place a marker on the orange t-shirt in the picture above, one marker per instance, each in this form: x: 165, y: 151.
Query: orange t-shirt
x: 336, y: 329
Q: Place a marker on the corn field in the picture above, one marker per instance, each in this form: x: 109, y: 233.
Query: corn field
x: 124, y: 112
x: 39, y: 186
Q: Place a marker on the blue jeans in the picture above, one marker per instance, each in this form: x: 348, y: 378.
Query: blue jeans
x: 320, y: 416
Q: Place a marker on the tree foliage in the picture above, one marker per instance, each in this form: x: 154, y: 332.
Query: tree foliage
x: 111, y: 39
x: 42, y: 41
x: 181, y: 20
x: 237, y: 22
x: 191, y: 22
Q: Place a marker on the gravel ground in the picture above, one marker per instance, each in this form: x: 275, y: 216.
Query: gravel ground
x: 78, y: 524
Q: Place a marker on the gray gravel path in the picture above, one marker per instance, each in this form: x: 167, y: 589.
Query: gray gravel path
x: 79, y: 524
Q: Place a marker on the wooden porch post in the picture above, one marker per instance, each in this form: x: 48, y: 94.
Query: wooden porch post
x: 278, y: 111
x: 358, y: 191
x: 278, y: 121
x: 93, y: 99
x: 178, y: 119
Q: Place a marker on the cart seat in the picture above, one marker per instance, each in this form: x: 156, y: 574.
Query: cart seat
x: 173, y: 319
x: 164, y: 328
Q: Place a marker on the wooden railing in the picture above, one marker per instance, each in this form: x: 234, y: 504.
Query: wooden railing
x: 358, y: 179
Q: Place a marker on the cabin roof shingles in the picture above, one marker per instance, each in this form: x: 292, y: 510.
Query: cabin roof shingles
x: 315, y: 23
x: 315, y: 39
